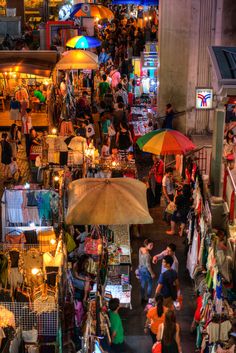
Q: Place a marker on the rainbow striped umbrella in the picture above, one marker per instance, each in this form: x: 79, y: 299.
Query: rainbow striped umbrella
x: 165, y: 141
x: 83, y: 42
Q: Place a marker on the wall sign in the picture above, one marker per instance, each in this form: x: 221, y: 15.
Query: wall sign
x: 204, y: 98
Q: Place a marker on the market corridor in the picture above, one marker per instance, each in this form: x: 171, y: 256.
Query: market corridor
x: 134, y: 319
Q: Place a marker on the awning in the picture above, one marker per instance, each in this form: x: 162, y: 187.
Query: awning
x: 78, y: 59
x: 33, y: 62
x: 224, y: 63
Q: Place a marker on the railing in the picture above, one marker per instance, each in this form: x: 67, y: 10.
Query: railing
x: 203, y: 156
x: 229, y: 192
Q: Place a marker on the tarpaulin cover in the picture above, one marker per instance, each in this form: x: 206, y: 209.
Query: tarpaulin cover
x: 107, y: 201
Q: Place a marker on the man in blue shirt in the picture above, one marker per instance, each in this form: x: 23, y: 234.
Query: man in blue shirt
x: 168, y: 283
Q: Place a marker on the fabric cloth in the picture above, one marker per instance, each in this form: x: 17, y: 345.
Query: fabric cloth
x: 116, y: 326
x: 14, y: 201
x: 50, y: 260
x: 218, y: 332
x: 44, y: 238
x: 15, y: 238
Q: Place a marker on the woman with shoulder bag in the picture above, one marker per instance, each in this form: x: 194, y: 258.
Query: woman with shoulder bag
x: 146, y: 273
x: 169, y: 335
x: 155, y: 317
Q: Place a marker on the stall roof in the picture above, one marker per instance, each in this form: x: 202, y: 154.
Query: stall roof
x: 78, y: 59
x: 40, y: 62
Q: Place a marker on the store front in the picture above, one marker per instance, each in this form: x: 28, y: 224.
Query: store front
x: 22, y: 73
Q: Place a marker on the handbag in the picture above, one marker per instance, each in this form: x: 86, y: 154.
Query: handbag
x: 93, y: 243
x: 92, y: 267
x: 171, y: 208
x: 111, y: 131
x: 157, y: 347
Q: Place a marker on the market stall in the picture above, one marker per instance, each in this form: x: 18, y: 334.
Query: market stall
x: 33, y: 255
x: 101, y: 201
x: 25, y: 78
x: 211, y: 265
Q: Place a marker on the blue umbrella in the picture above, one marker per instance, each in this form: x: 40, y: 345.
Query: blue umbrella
x: 83, y: 42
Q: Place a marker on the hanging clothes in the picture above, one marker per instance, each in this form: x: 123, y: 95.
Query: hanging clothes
x: 44, y: 208
x: 14, y: 201
x: 192, y: 258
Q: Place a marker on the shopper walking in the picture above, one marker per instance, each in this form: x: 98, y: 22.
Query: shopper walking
x: 155, y: 178
x: 6, y: 156
x: 117, y: 331
x: 170, y: 250
x: 146, y: 272
x: 14, y: 139
x: 168, y: 283
x: 124, y: 140
x: 155, y: 317
x: 26, y: 127
x: 169, y: 334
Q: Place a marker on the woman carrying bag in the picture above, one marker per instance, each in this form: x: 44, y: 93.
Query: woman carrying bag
x: 168, y: 335
x: 155, y: 317
x: 146, y: 274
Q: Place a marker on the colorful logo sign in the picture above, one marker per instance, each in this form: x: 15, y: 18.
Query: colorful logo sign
x: 204, y: 98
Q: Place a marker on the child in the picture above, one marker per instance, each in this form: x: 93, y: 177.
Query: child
x: 117, y: 331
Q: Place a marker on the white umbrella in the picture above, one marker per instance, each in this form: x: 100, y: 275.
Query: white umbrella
x: 107, y: 201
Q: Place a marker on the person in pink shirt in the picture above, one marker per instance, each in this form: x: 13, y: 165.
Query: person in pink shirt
x: 115, y: 77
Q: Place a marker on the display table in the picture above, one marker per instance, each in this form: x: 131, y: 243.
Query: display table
x: 119, y: 261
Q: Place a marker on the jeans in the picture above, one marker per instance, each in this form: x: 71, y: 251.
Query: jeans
x: 145, y: 279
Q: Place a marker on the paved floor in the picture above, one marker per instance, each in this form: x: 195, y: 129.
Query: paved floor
x: 134, y: 319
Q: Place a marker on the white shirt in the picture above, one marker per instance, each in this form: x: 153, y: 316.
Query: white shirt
x: 26, y: 124
x: 175, y: 265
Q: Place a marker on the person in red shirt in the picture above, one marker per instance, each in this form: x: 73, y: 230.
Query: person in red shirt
x: 155, y: 177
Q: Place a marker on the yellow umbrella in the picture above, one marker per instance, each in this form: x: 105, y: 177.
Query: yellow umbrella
x: 107, y: 201
x: 92, y: 10
x: 78, y: 59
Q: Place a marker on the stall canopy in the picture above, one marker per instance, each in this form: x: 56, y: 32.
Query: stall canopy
x: 33, y: 62
x: 78, y: 59
x: 107, y: 201
x: 91, y: 10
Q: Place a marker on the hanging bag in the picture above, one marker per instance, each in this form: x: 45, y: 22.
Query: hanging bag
x: 93, y: 243
x: 157, y: 347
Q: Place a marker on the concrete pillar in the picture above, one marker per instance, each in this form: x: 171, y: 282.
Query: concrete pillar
x: 20, y: 9
x: 174, y: 39
x: 217, y: 151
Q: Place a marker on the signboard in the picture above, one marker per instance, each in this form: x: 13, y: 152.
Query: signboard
x: 149, y: 60
x: 204, y: 98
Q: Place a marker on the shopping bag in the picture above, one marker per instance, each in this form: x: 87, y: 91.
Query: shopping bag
x: 93, y: 246
x: 111, y: 131
x: 170, y: 208
x: 157, y: 347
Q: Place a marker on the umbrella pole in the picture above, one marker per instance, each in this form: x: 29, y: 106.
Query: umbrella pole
x: 164, y: 163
